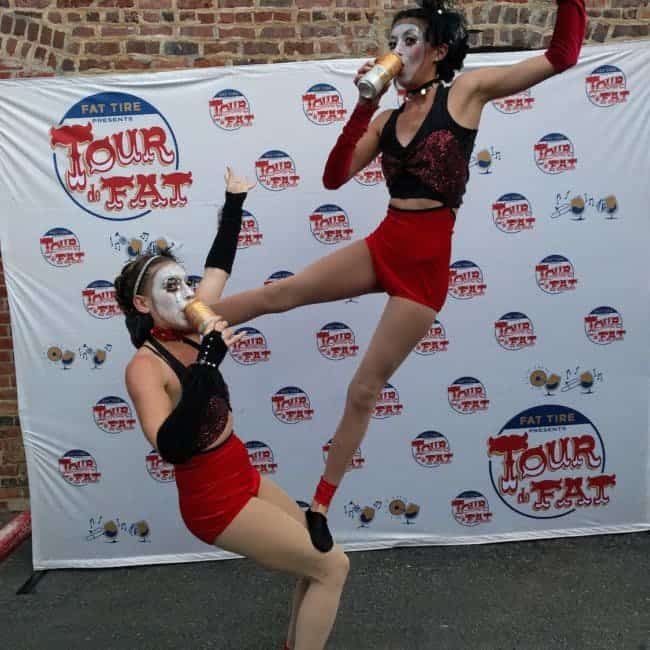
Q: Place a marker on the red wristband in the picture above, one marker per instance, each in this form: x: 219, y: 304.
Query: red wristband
x: 325, y: 492
x: 338, y: 163
x: 570, y: 26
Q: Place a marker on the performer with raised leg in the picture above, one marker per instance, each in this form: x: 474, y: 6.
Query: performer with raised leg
x: 426, y: 146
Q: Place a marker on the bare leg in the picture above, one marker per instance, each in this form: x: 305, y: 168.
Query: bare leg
x: 346, y: 273
x: 270, y: 491
x: 401, y: 327
x: 268, y: 535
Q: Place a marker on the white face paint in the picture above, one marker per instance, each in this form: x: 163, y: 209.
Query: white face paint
x: 170, y: 294
x: 408, y: 40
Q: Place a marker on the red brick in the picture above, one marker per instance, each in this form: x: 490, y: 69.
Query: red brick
x: 278, y: 32
x: 299, y: 47
x: 236, y: 32
x: 318, y: 31
x: 8, y: 470
x: 101, y: 48
x: 143, y: 47
x: 58, y: 40
x: 6, y: 23
x: 198, y: 31
x: 155, y: 30
x: 263, y: 16
x: 119, y: 30
x: 31, y: 4
x: 206, y: 18
x: 8, y: 393
x: 20, y: 27
x: 10, y: 47
x: 155, y: 4
x: 130, y: 63
x: 180, y: 48
x: 46, y: 36
x: 221, y: 46
x: 231, y: 4
x: 83, y: 32
x: 209, y: 62
x: 244, y: 17
x: 122, y: 4
x: 631, y: 31
x: 195, y: 4
x: 93, y: 64
x: 249, y: 60
x: 32, y: 32
x: 10, y: 493
x: 73, y: 4
x: 171, y: 64
x: 261, y: 47
x: 55, y: 17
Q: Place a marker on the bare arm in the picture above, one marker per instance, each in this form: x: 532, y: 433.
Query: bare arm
x: 212, y: 285
x: 487, y: 84
x: 367, y: 148
x: 147, y: 392
x: 474, y: 89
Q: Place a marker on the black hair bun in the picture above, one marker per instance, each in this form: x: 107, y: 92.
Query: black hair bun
x: 437, y: 6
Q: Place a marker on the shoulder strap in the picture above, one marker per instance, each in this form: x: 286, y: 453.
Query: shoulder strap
x: 167, y: 356
x: 191, y: 343
x: 389, y: 128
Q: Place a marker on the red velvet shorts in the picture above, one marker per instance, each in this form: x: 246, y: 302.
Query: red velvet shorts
x: 411, y: 252
x: 214, y: 486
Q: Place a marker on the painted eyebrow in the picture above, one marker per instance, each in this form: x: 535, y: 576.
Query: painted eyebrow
x: 411, y: 31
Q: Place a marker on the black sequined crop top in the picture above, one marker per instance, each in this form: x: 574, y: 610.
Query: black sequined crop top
x: 215, y: 417
x: 435, y: 164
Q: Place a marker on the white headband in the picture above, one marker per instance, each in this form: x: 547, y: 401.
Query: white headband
x: 145, y: 266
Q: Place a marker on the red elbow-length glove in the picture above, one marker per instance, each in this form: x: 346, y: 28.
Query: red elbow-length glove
x: 570, y: 26
x: 339, y: 161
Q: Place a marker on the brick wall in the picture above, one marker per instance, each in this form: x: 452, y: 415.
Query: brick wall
x: 48, y: 37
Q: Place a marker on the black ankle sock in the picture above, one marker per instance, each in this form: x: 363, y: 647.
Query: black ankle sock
x: 319, y: 532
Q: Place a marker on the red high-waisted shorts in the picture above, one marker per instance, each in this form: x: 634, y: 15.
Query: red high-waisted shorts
x: 214, y: 486
x: 411, y: 252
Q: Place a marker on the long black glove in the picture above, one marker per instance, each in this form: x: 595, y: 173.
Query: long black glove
x: 224, y: 246
x: 178, y: 437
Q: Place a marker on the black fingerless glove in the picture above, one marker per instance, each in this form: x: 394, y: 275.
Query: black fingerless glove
x: 178, y: 437
x: 224, y: 246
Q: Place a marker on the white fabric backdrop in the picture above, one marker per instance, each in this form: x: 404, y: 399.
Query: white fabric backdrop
x: 523, y: 415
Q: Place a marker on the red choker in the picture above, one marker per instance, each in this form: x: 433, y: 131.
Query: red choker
x: 163, y: 334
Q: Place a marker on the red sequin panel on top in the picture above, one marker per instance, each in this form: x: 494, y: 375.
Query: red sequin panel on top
x: 214, y: 420
x: 438, y: 161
